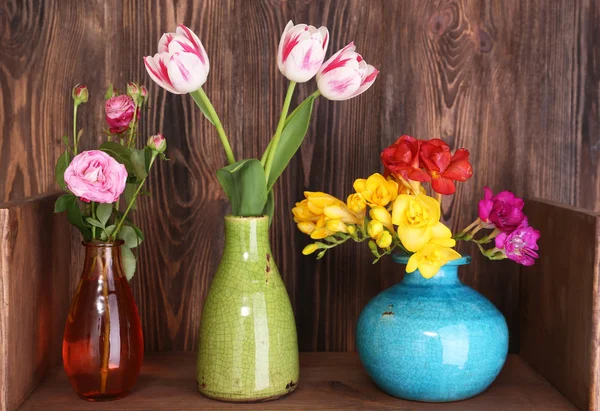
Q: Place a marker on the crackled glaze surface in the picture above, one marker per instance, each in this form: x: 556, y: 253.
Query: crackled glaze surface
x: 433, y: 340
x: 248, y: 349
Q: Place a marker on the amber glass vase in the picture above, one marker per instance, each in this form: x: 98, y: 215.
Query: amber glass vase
x: 103, y: 345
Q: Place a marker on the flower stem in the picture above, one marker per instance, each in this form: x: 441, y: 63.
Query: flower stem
x: 133, y: 198
x: 201, y: 99
x: 282, y: 119
x: 75, y: 141
x: 130, y: 140
x: 93, y: 216
x: 106, y: 342
x: 467, y: 229
x: 263, y: 159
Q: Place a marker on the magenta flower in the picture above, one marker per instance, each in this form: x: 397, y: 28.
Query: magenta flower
x: 520, y: 245
x: 503, y: 211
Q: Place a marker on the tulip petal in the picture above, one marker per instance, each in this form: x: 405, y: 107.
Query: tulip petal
x: 163, y: 43
x: 325, y: 35
x: 304, y: 60
x: 340, y: 84
x: 195, y: 41
x: 157, y: 69
x: 186, y: 71
x: 368, y: 80
x: 338, y: 60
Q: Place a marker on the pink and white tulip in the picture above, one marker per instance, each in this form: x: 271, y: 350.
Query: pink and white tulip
x: 345, y: 75
x: 181, y: 64
x: 301, y: 51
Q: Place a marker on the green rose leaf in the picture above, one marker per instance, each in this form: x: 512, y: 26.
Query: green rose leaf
x: 291, y: 139
x: 244, y: 183
x: 62, y: 203
x: 138, y: 162
x: 94, y: 222
x: 75, y: 217
x: 107, y: 232
x: 59, y: 170
x: 120, y: 153
x: 128, y: 260
x: 128, y: 193
x: 128, y: 234
x: 103, y: 212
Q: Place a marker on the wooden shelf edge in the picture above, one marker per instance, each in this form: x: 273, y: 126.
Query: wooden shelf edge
x: 327, y: 381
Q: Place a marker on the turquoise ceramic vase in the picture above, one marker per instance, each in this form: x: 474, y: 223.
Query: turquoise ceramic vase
x: 248, y: 350
x: 433, y: 340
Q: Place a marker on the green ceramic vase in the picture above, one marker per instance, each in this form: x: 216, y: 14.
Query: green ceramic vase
x: 248, y: 348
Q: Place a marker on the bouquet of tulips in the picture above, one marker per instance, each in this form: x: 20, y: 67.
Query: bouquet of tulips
x: 393, y: 211
x: 96, y: 180
x: 181, y: 66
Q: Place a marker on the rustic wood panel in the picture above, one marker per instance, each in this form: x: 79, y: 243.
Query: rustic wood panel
x: 330, y: 381
x: 516, y: 82
x: 560, y: 303
x: 34, y: 295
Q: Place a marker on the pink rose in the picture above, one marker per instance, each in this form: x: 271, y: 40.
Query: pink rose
x: 520, y: 245
x: 95, y: 176
x: 503, y: 211
x: 119, y: 113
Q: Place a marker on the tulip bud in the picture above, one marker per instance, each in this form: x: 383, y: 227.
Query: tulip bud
x: 375, y: 229
x: 157, y: 143
x: 309, y: 249
x: 301, y: 51
x: 384, y: 240
x: 345, y: 75
x: 80, y: 94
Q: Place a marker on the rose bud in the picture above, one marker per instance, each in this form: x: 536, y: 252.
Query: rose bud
x: 181, y: 64
x: 119, y: 113
x: 345, y: 75
x: 157, y: 143
x: 144, y: 93
x: 133, y: 90
x: 301, y: 51
x: 80, y: 94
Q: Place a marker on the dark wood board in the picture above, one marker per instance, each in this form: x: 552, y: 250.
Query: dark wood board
x: 329, y: 381
x: 515, y: 82
x: 34, y: 294
x: 560, y: 303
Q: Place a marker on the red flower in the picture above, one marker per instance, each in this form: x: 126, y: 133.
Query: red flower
x: 402, y: 158
x: 444, y: 167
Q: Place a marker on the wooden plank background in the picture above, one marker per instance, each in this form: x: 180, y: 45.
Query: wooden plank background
x: 516, y: 82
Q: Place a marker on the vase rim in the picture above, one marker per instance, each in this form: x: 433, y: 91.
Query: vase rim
x: 243, y: 218
x: 403, y: 259
x: 100, y: 244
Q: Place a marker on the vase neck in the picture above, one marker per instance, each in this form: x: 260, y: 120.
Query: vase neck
x: 447, y: 275
x: 247, y: 237
x: 102, y: 260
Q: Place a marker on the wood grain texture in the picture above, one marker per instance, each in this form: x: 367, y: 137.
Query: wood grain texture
x: 560, y: 303
x: 518, y: 83
x: 34, y: 295
x: 332, y: 381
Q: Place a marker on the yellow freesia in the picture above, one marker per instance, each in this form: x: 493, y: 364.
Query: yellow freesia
x: 376, y: 190
x: 317, y: 201
x: 382, y: 215
x: 336, y: 226
x: 321, y: 230
x: 302, y: 213
x: 430, y: 259
x: 307, y: 227
x: 308, y: 214
x: 442, y: 236
x: 356, y: 203
x: 375, y: 229
x: 415, y: 217
x: 341, y: 212
x: 384, y: 240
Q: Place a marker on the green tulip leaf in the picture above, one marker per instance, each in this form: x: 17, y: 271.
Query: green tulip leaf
x: 245, y: 184
x: 291, y: 139
x: 198, y: 100
x: 270, y: 206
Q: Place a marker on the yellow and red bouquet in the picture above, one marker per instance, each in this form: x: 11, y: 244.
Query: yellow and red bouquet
x: 393, y: 212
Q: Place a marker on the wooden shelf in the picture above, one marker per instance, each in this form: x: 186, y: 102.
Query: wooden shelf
x: 328, y: 381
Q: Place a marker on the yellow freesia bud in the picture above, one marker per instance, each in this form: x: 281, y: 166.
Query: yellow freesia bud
x: 309, y: 249
x: 375, y: 229
x: 383, y: 216
x: 415, y: 217
x: 376, y: 190
x: 336, y: 226
x: 352, y: 230
x: 306, y: 227
x: 384, y: 240
x: 356, y: 203
x: 430, y: 259
x: 320, y: 233
x: 341, y: 212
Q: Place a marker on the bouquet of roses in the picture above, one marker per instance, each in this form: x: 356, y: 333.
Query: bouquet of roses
x: 393, y: 211
x: 95, y: 181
